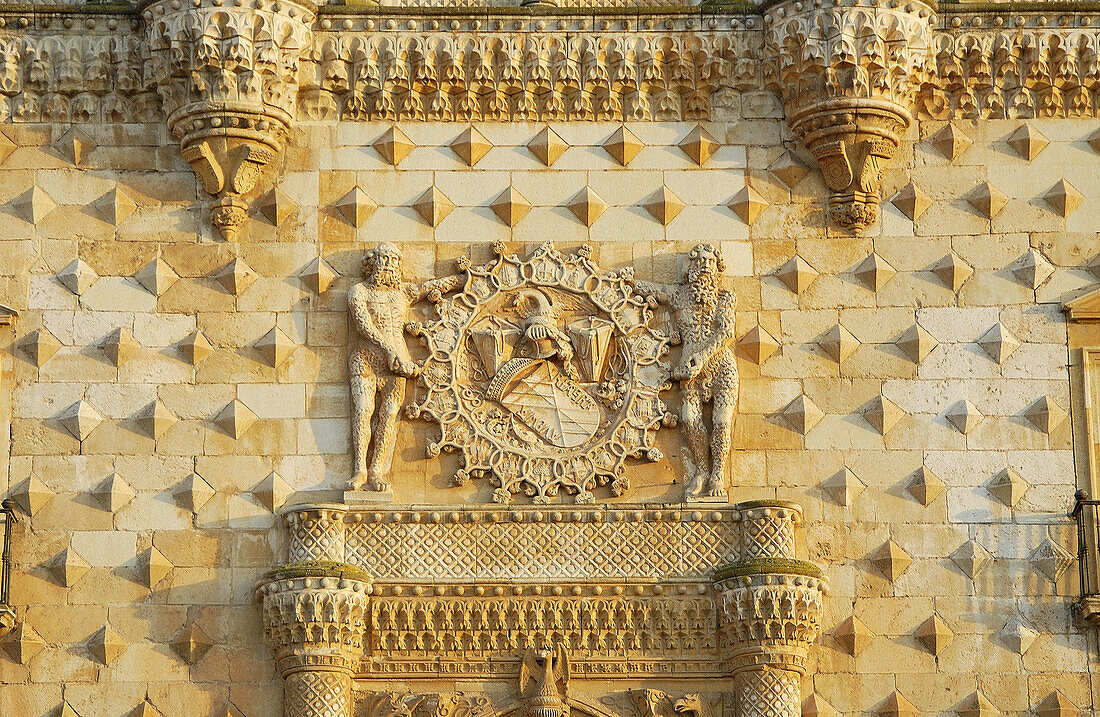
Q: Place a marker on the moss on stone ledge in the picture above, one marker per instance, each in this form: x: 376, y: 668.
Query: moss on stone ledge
x: 768, y: 566
x: 317, y: 569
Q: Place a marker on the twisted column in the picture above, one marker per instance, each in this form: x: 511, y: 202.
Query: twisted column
x: 770, y: 611
x: 848, y: 72
x: 316, y: 626
x: 227, y: 74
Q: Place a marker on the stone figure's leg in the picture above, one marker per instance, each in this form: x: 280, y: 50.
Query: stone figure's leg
x: 363, y: 389
x: 391, y: 391
x: 695, y: 442
x: 722, y: 411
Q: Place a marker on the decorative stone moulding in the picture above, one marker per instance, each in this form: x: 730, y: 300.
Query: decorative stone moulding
x: 848, y: 75
x: 227, y: 75
x: 630, y: 591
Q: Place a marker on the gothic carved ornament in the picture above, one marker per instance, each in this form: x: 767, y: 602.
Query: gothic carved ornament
x: 545, y: 603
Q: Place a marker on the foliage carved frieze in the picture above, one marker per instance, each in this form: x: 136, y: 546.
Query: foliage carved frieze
x: 534, y: 76
x: 544, y: 374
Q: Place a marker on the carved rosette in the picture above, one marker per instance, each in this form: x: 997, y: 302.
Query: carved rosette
x: 771, y: 606
x: 848, y: 73
x: 227, y: 74
x: 317, y: 627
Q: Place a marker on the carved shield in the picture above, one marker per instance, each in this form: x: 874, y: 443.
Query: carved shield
x: 835, y: 166
x: 592, y: 341
x: 495, y: 341
x: 546, y: 401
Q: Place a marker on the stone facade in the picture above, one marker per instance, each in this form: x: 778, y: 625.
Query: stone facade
x: 837, y: 479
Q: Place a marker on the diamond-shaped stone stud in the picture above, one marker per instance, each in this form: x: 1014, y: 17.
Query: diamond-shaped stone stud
x: 510, y: 206
x: 275, y: 347
x: 23, y: 643
x: 1028, y: 141
x: 547, y: 146
x: 114, y: 206
x: 272, y: 491
x: 587, y: 206
x: 394, y: 146
x: 32, y: 495
x: 74, y: 145
x: 114, y: 493
x: 953, y: 271
x: 802, y: 414
x: 39, y: 346
x: 1008, y: 487
x: 80, y: 419
x: 1018, y: 636
x: 235, y: 419
x: 843, y: 487
x: 1057, y: 705
x: 6, y: 147
x: 934, y: 634
x: 699, y: 145
x: 916, y: 343
x: 277, y: 206
x: 951, y: 142
x: 623, y: 145
x: 235, y: 277
x: 1051, y: 559
x: 664, y: 205
x: 195, y: 347
x: 1045, y: 414
x: 853, y: 636
x: 433, y: 206
x: 978, y: 705
x: 896, y: 705
x: 891, y: 560
x: 471, y: 146
x: 758, y: 345
x: 788, y: 169
x: 815, y: 706
x: 747, y: 204
x: 155, y: 419
x: 318, y: 275
x: 796, y: 274
x: 77, y: 277
x: 1064, y: 198
x: 156, y: 276
x: 33, y: 205
x: 355, y: 207
x: 987, y: 200
x: 106, y: 645
x: 146, y: 709
x: 971, y: 558
x: 194, y: 492
x: 69, y: 568
x: 883, y: 414
x: 1032, y: 269
x: 120, y: 346
x: 925, y: 486
x: 912, y: 201
x: 192, y: 643
x: 875, y: 272
x: 964, y: 416
x: 998, y: 343
x: 839, y: 343
x: 153, y: 567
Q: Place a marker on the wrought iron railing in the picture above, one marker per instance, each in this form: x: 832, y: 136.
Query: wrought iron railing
x: 1086, y: 512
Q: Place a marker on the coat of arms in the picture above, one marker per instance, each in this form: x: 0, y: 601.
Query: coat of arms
x: 544, y: 374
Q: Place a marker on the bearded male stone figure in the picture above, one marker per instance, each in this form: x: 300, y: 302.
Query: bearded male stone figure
x: 703, y: 316
x: 380, y: 362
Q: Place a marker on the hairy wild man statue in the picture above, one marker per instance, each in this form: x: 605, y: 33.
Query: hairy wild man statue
x: 703, y: 320
x: 380, y: 362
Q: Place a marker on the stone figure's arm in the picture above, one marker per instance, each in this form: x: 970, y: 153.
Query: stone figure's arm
x: 433, y: 288
x: 661, y: 293
x: 364, y: 324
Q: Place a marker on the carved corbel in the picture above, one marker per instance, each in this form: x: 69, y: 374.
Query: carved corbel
x: 848, y: 73
x: 771, y: 604
x: 316, y: 617
x: 227, y: 75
